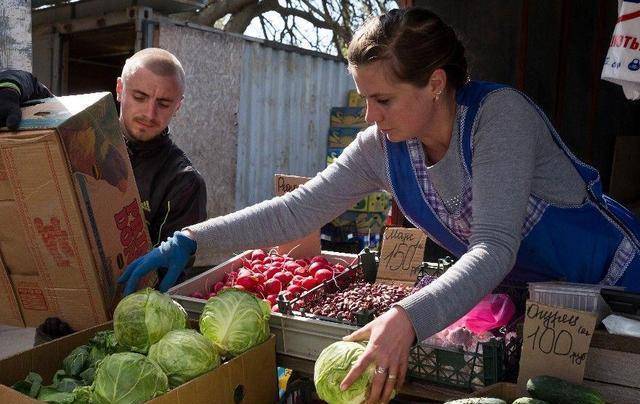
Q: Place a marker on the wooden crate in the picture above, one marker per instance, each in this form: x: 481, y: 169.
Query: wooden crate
x: 504, y: 391
x: 613, y: 367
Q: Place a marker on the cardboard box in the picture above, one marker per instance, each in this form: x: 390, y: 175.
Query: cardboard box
x: 250, y: 377
x: 309, y: 245
x: 69, y: 212
x: 333, y: 153
x: 355, y: 100
x: 363, y: 222
x: 348, y: 117
x: 341, y: 137
x: 378, y: 202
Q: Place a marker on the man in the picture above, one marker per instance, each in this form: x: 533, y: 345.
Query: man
x: 150, y: 91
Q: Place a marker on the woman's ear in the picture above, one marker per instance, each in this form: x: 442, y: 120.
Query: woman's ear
x: 437, y: 82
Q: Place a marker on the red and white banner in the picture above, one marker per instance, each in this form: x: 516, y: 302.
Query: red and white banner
x: 622, y: 64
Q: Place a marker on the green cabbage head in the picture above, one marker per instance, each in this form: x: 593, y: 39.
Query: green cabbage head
x: 235, y: 321
x: 127, y: 377
x: 184, y: 355
x: 142, y: 318
x: 332, y: 366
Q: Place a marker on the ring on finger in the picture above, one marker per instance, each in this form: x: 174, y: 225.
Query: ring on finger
x: 392, y: 377
x: 381, y: 370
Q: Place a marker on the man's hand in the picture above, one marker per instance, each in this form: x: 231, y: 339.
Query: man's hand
x: 173, y: 254
x: 10, y: 113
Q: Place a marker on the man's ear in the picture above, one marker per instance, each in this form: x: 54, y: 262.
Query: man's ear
x: 119, y: 88
x: 179, y: 105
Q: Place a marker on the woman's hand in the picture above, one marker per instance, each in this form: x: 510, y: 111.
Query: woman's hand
x: 390, y: 338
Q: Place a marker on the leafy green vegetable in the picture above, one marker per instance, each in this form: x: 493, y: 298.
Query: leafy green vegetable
x: 83, y: 395
x: 76, y: 361
x: 143, y: 318
x: 88, y: 375
x: 184, y: 355
x: 235, y: 321
x: 59, y: 375
x: 332, y: 366
x: 51, y: 395
x: 68, y: 384
x: 127, y: 377
x: 102, y: 344
x: 30, y: 386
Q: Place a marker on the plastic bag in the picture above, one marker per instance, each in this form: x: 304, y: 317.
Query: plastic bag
x: 493, y: 311
x: 622, y: 326
x: 622, y: 64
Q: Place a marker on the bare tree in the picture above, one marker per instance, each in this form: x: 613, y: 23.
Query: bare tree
x: 322, y: 25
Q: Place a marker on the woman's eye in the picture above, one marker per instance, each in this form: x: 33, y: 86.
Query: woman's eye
x: 384, y: 101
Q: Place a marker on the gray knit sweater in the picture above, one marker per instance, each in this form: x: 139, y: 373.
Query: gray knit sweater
x: 514, y: 156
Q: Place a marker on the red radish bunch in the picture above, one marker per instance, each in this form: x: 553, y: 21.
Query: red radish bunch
x: 269, y: 275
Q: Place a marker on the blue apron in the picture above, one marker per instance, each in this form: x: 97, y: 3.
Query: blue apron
x: 596, y: 242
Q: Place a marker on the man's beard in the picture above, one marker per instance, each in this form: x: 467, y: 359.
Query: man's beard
x: 130, y: 135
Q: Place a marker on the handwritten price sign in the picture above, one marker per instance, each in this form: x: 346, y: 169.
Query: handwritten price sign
x: 555, y: 342
x: 308, y: 246
x: 401, y: 254
x: 286, y: 183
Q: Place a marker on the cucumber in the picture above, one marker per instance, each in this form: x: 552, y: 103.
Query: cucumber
x: 558, y: 391
x: 529, y: 400
x: 479, y: 400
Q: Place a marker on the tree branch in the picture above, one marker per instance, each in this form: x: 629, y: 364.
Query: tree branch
x: 241, y: 20
x: 217, y: 9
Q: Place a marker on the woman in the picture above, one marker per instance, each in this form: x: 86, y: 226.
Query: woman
x: 475, y: 165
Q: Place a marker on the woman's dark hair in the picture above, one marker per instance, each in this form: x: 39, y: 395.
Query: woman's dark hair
x: 414, y: 42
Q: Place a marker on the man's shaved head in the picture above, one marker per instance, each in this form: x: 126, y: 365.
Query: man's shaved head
x: 159, y: 61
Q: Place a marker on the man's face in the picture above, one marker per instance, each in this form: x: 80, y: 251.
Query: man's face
x: 147, y: 103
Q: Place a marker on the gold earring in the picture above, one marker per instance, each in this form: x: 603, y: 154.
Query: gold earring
x: 437, y: 97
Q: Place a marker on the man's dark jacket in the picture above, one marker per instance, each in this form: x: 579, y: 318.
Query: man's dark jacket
x: 173, y: 193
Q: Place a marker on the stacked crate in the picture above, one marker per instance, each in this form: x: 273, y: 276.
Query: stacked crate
x: 362, y: 223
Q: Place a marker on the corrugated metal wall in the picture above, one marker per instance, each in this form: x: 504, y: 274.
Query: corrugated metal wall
x: 283, y: 120
x: 271, y: 104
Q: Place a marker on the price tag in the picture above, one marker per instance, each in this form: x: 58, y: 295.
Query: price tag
x: 308, y: 246
x: 555, y: 342
x: 401, y: 254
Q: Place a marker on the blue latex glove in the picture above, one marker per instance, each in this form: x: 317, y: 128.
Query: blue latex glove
x: 173, y: 254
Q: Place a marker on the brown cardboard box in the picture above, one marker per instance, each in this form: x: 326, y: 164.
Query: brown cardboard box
x: 70, y: 217
x: 250, y: 377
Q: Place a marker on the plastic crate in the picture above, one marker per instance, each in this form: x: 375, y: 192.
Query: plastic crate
x: 458, y: 368
x: 578, y: 296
